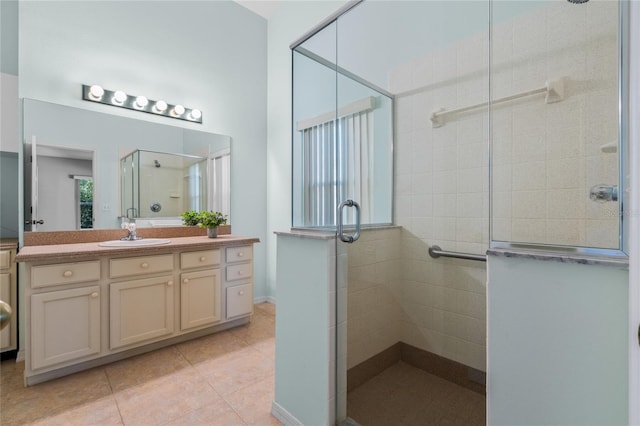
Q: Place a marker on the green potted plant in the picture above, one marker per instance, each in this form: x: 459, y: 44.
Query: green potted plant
x: 211, y: 220
x: 190, y: 218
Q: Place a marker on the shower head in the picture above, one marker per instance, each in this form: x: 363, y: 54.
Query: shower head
x: 156, y: 163
x: 577, y: 1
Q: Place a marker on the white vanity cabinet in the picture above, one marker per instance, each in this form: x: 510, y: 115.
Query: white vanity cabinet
x: 239, y: 276
x: 200, y: 303
x: 110, y: 304
x: 140, y: 310
x: 65, y: 325
x: 9, y: 294
x: 64, y: 312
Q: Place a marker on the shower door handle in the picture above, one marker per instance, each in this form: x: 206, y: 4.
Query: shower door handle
x: 344, y: 237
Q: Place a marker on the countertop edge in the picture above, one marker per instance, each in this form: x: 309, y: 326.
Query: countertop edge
x: 77, y: 251
x: 560, y: 257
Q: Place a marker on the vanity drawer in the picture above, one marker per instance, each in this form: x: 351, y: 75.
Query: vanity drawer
x: 197, y: 259
x: 239, y: 272
x: 64, y: 273
x: 5, y: 259
x: 141, y: 265
x: 239, y: 300
x: 239, y: 254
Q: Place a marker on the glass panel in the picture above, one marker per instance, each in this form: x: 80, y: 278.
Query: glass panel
x: 314, y: 189
x: 555, y: 155
x: 394, y: 302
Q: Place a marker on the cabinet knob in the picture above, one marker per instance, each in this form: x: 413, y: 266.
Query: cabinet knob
x: 67, y: 274
x: 186, y: 280
x: 241, y: 293
x: 240, y: 254
x: 169, y: 283
x: 94, y: 295
x: 239, y: 272
x: 144, y: 265
x: 202, y: 258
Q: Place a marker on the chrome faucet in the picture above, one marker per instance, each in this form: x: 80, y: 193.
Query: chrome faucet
x: 131, y: 227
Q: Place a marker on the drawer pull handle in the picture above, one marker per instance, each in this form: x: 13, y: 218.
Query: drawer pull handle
x: 186, y: 280
x: 169, y: 283
x: 94, y: 295
x: 67, y: 274
x: 240, y: 254
x: 202, y: 258
x: 241, y: 293
x: 144, y: 265
x: 239, y: 272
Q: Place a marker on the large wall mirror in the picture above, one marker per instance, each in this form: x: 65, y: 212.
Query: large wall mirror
x: 74, y: 176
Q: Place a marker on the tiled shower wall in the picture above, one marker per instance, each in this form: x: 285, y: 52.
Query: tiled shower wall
x: 374, y: 294
x: 547, y: 156
x: 442, y: 199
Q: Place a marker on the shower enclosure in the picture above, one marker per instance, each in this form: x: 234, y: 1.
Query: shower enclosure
x: 159, y: 184
x: 434, y: 131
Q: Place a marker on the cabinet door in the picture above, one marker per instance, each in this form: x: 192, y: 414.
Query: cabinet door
x: 239, y: 300
x: 199, y: 298
x: 5, y: 296
x: 140, y: 310
x: 65, y: 325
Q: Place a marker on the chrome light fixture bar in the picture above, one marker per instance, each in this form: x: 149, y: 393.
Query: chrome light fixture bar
x: 118, y: 98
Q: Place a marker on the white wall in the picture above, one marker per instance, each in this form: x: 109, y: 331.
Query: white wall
x: 290, y: 21
x: 209, y: 55
x: 557, y: 343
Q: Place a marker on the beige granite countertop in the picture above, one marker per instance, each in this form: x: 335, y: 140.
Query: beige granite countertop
x: 76, y: 251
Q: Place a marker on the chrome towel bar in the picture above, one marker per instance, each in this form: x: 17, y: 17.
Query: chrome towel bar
x: 436, y: 252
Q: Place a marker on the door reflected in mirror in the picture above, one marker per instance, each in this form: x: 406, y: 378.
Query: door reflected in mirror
x: 58, y: 188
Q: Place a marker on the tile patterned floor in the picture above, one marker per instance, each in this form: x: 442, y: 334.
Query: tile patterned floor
x: 223, y: 379
x: 405, y: 395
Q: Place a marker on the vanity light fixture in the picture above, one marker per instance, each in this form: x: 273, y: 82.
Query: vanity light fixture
x: 177, y: 110
x: 141, y: 102
x: 195, y: 114
x: 160, y: 106
x: 121, y: 99
x: 96, y: 92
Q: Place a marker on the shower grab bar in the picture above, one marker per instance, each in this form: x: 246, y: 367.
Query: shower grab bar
x: 436, y: 252
x: 553, y: 89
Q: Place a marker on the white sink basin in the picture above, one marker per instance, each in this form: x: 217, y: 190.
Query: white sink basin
x: 145, y: 242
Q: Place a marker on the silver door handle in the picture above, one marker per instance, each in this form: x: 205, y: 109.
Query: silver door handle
x: 344, y: 237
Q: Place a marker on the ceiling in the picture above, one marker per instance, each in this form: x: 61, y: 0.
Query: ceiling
x: 264, y: 8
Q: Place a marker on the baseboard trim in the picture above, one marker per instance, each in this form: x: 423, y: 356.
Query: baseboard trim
x: 437, y: 365
x: 366, y: 370
x: 285, y: 417
x: 445, y: 368
x: 260, y: 299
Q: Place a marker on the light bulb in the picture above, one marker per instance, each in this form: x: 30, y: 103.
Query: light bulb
x: 178, y: 110
x: 119, y: 97
x: 160, y: 106
x: 195, y: 114
x: 96, y: 92
x: 141, y: 101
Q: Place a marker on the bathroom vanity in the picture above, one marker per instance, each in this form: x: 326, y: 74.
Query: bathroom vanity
x: 88, y: 305
x: 9, y: 293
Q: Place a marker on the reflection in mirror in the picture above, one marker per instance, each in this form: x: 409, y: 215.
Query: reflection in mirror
x: 109, y: 138
x: 60, y: 183
x: 158, y: 184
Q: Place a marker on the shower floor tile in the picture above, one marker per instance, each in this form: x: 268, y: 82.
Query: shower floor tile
x: 405, y: 395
